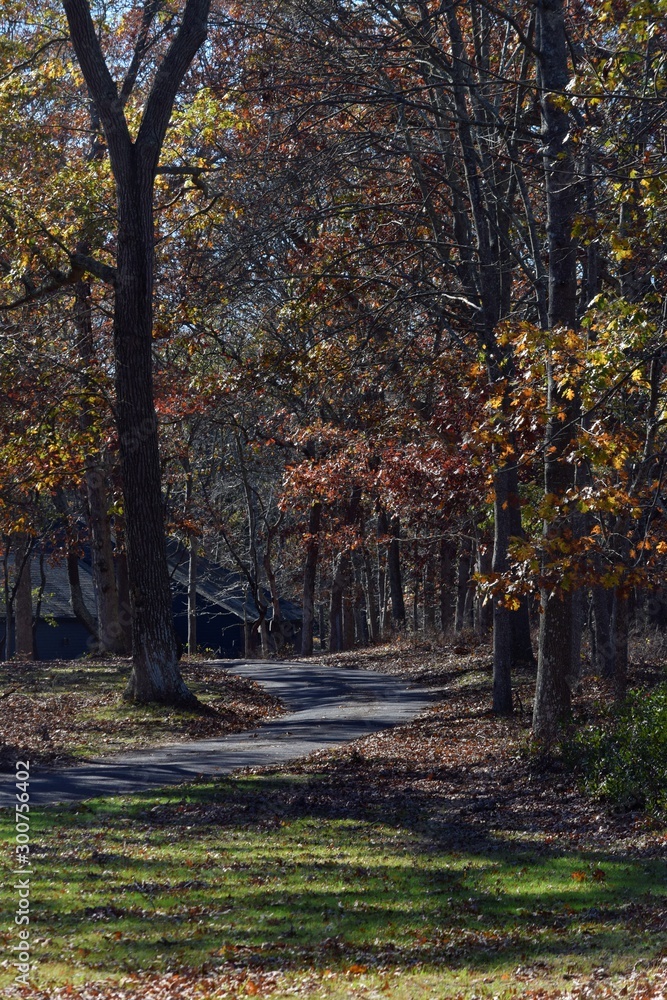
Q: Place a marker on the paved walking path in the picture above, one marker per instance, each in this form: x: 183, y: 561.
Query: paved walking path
x: 327, y: 706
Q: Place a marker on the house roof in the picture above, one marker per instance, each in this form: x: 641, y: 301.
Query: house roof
x: 223, y: 587
x: 215, y: 584
x: 56, y: 601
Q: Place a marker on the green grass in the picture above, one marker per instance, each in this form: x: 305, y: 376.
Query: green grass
x: 263, y: 872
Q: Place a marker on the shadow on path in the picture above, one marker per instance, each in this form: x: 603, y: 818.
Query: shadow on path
x: 327, y: 706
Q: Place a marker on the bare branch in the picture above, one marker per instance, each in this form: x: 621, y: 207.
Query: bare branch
x: 151, y: 8
x: 80, y: 265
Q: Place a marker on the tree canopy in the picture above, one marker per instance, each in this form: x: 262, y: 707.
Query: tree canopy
x: 365, y: 299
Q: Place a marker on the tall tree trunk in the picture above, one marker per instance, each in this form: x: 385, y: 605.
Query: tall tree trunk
x: 429, y: 591
x: 336, y: 605
x: 621, y: 623
x: 192, y: 594
x: 522, y: 647
x: 109, y: 630
x: 447, y: 558
x: 155, y: 674
x: 554, y: 672
x: 309, y: 577
x: 322, y: 617
x: 394, y: 573
x: 416, y: 578
x: 277, y: 630
x: 578, y: 622
x: 250, y: 631
x: 603, y: 630
x: 7, y: 642
x: 464, y: 572
x: 483, y: 608
x: 371, y: 597
x: 38, y: 604
x: 81, y: 612
x: 360, y: 609
x: 382, y: 532
x: 123, y: 584
x: 265, y: 637
x: 349, y: 602
x: 23, y: 599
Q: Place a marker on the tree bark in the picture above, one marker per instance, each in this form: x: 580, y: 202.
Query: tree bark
x: 277, y: 627
x: 394, y: 573
x: 336, y: 605
x: 7, y: 641
x: 23, y: 599
x: 309, y: 577
x: 522, y: 646
x: 360, y: 637
x: 521, y: 643
x: 416, y: 579
x: 371, y: 597
x: 603, y: 630
x: 349, y: 603
x: 382, y: 532
x: 502, y: 616
x: 109, y: 631
x: 38, y: 604
x: 155, y: 674
x: 446, y: 584
x: 123, y: 584
x: 464, y: 566
x: 620, y: 619
x: 192, y: 595
x: 81, y: 612
x: 429, y: 592
x: 554, y: 672
x: 483, y: 608
x: 322, y: 625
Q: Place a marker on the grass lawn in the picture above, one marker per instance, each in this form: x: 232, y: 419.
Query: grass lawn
x: 433, y: 860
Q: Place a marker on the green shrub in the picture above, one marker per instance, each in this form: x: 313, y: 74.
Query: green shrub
x: 624, y: 760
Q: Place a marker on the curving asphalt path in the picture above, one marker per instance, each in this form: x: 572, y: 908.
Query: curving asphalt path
x: 329, y: 706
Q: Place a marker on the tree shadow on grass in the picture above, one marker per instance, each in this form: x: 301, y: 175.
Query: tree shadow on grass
x: 327, y: 871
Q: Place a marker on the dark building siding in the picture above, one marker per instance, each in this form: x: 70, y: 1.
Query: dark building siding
x: 217, y: 630
x: 65, y: 640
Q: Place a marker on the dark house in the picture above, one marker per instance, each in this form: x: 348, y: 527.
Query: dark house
x: 59, y: 635
x: 224, y: 605
x: 223, y: 608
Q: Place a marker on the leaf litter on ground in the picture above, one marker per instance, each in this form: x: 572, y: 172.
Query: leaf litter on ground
x: 61, y: 712
x: 468, y: 780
